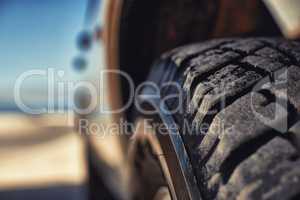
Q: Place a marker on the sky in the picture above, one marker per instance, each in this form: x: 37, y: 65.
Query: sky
x: 37, y: 34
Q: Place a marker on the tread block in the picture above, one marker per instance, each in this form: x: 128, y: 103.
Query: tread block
x: 228, y: 91
x: 206, y: 63
x: 289, y: 86
x: 268, y: 52
x: 240, y: 126
x: 179, y: 55
x: 256, y: 166
x: 292, y: 49
x: 263, y: 63
x: 213, y: 81
x: 246, y: 46
x: 282, y: 182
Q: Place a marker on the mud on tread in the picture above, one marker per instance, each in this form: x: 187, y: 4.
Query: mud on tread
x: 238, y: 150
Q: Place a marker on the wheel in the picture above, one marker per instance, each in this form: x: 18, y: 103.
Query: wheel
x: 149, y: 28
x: 236, y: 112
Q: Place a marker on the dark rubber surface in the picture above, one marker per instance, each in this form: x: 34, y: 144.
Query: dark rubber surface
x: 231, y: 85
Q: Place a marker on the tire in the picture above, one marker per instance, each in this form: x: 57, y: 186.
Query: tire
x: 149, y: 28
x: 243, y: 91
